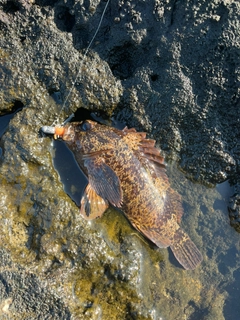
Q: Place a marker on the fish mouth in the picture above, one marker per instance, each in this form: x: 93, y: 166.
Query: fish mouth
x: 68, y: 133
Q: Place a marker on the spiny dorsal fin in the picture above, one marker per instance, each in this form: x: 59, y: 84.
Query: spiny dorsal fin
x: 145, y: 150
x: 126, y: 130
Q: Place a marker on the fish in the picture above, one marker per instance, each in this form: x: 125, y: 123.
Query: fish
x: 126, y: 170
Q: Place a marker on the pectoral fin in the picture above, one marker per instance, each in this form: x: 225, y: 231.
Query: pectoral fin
x: 104, y: 180
x: 92, y: 205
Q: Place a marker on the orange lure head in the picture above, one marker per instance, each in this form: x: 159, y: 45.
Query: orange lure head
x: 59, y: 132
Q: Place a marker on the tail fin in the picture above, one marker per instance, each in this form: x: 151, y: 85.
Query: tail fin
x: 185, y: 250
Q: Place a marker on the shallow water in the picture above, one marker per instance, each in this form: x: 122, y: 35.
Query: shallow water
x: 72, y: 178
x: 4, y: 121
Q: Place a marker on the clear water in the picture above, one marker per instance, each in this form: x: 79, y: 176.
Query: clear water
x: 71, y: 176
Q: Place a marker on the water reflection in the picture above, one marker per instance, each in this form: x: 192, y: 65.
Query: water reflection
x: 71, y: 176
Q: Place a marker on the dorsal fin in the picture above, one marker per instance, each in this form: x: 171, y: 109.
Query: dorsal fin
x: 148, y: 143
x: 126, y: 130
x: 145, y: 151
x: 134, y: 133
x: 152, y: 160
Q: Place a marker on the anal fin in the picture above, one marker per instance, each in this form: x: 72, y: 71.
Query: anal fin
x: 185, y: 251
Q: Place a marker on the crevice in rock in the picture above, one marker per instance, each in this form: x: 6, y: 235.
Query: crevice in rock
x: 123, y: 60
x: 154, y: 77
x: 16, y: 106
x: 64, y: 20
x: 44, y: 3
x: 11, y: 7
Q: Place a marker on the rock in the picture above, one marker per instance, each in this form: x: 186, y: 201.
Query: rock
x: 234, y: 209
x: 23, y: 293
x: 163, y: 67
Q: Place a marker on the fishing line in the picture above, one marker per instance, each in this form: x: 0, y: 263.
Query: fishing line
x: 80, y: 66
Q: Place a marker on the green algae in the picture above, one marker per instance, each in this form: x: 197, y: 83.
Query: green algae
x: 100, y: 291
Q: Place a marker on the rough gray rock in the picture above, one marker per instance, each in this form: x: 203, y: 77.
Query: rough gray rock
x: 166, y: 67
x: 23, y: 295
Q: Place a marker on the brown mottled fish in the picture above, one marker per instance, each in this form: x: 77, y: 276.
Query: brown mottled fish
x: 125, y: 170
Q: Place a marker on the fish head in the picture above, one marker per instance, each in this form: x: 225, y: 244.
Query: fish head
x: 87, y: 136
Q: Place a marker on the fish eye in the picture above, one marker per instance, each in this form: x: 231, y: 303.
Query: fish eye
x: 85, y: 126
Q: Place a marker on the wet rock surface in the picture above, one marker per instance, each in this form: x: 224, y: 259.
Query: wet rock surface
x: 163, y: 67
x: 234, y: 208
x: 25, y: 296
